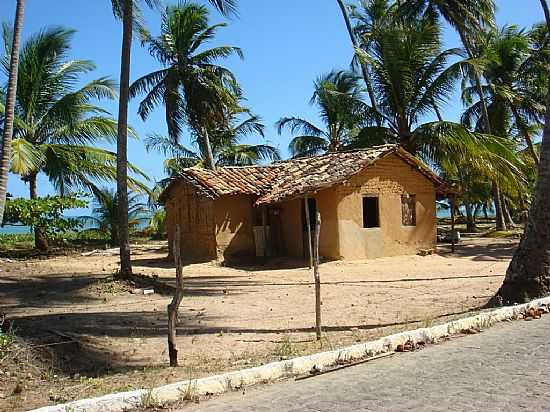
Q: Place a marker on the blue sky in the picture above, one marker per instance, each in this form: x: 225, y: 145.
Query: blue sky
x: 287, y: 44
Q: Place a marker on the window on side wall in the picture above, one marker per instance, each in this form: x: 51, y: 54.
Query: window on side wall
x: 371, y: 214
x: 408, y: 210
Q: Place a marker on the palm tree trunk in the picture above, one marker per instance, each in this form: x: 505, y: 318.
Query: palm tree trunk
x: 40, y: 238
x: 499, y: 216
x: 528, y: 275
x: 5, y: 157
x: 364, y: 66
x: 523, y: 130
x: 470, y: 221
x: 507, y: 215
x: 122, y: 140
x: 210, y: 163
x: 487, y: 126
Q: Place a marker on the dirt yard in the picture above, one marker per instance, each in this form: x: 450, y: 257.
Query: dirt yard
x: 91, y: 335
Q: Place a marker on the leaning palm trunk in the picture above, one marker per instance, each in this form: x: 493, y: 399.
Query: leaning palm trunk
x: 499, y: 215
x: 528, y: 275
x: 5, y: 158
x: 525, y: 133
x: 364, y: 66
x: 122, y: 140
x: 210, y: 163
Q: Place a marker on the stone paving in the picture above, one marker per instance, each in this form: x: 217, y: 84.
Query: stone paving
x: 506, y: 368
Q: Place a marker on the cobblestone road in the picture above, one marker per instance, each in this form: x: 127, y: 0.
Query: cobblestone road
x: 506, y: 368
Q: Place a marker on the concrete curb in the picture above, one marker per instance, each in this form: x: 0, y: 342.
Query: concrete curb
x: 214, y: 385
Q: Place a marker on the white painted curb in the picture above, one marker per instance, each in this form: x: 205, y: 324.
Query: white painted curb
x: 213, y: 385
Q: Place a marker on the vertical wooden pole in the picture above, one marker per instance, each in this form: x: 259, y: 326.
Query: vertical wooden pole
x: 266, y: 234
x: 317, y: 278
x: 176, y: 300
x: 308, y: 229
x: 453, y: 240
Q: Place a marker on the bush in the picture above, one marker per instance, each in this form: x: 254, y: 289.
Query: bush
x: 45, y: 213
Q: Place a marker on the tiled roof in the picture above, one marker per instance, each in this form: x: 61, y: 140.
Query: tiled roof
x: 293, y: 178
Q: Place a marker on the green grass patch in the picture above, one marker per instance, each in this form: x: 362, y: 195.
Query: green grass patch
x: 16, y: 241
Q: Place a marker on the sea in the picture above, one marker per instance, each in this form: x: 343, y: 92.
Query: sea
x: 20, y: 229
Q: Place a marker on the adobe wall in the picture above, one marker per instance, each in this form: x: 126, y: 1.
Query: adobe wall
x: 388, y: 179
x: 234, y: 227
x: 195, y: 216
x: 329, y: 239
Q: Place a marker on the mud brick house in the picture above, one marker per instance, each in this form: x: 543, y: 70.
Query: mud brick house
x: 374, y: 202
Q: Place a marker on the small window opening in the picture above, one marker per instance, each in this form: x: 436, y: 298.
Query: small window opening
x: 408, y: 210
x: 371, y: 215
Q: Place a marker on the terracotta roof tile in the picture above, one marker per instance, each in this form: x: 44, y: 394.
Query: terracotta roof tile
x: 293, y: 178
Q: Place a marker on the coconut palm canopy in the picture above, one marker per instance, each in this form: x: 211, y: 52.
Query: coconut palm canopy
x: 56, y: 122
x: 193, y: 88
x: 413, y: 79
x: 515, y: 63
x: 227, y: 146
x: 339, y: 97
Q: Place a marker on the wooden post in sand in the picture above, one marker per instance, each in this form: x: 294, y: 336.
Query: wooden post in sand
x: 317, y: 277
x: 308, y: 229
x: 176, y: 300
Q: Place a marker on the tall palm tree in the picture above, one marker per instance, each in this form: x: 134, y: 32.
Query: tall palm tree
x: 226, y: 145
x: 5, y: 154
x: 412, y: 76
x: 469, y: 18
x: 512, y: 69
x: 195, y: 91
x: 128, y: 11
x: 56, y: 123
x: 339, y: 97
x: 528, y: 275
x: 356, y: 44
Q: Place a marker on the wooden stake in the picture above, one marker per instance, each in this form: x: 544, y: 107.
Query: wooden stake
x: 452, y: 199
x: 176, y: 300
x: 317, y: 278
x: 308, y: 228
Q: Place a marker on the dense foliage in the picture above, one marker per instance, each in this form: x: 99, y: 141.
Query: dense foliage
x: 46, y: 213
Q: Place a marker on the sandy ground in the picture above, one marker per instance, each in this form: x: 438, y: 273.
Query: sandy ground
x: 230, y: 318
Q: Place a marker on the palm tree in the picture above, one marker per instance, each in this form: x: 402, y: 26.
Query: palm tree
x: 195, y: 91
x: 55, y: 122
x: 411, y: 76
x: 339, y: 98
x: 129, y: 12
x: 5, y: 155
x: 528, y: 275
x: 105, y: 214
x: 227, y: 148
x: 512, y: 68
x: 356, y: 44
x: 469, y: 18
